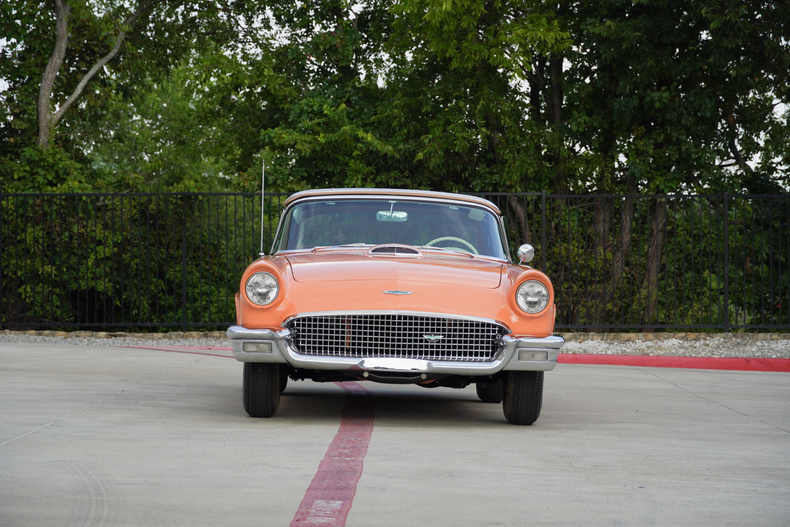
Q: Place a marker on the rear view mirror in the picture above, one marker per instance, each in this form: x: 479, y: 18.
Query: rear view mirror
x: 392, y: 216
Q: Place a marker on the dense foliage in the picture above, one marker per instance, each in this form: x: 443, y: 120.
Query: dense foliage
x: 144, y: 261
x: 159, y: 261
x: 467, y: 95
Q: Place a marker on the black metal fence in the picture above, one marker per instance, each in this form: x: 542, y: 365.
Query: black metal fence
x: 173, y: 261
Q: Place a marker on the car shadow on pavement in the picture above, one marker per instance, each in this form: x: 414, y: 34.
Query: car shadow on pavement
x: 436, y: 408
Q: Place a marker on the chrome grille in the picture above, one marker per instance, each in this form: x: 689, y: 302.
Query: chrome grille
x: 396, y: 335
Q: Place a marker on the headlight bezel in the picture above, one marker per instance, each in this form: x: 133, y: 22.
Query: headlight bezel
x: 522, y: 294
x: 251, y: 293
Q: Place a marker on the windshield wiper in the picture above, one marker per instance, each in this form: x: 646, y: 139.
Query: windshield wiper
x: 326, y: 247
x: 433, y: 247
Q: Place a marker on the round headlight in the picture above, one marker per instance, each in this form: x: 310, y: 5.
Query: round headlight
x: 532, y: 296
x: 262, y: 288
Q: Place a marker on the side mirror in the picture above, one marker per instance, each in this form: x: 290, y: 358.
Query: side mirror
x: 526, y: 253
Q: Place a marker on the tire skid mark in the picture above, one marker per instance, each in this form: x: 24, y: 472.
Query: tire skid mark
x: 328, y: 498
x: 91, y: 405
x: 94, y: 504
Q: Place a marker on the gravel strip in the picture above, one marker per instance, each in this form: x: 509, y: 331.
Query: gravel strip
x: 731, y: 346
x: 710, y: 347
x: 160, y: 342
x: 119, y: 341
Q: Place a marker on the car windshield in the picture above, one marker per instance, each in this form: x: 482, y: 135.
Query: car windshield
x: 454, y: 227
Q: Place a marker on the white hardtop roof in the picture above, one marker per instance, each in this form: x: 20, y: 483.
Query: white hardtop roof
x: 385, y: 192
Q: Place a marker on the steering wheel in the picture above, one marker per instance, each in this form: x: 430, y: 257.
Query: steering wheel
x: 453, y: 239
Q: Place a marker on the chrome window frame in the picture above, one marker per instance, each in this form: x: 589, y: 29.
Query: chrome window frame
x: 417, y: 198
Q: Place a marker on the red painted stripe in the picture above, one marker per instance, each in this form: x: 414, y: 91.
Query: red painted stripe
x: 218, y: 348
x: 328, y: 499
x: 199, y: 353
x: 182, y: 350
x: 697, y: 363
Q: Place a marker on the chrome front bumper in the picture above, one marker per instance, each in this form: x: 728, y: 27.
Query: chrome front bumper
x: 516, y: 354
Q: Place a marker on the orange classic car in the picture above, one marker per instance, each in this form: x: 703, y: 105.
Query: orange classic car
x: 395, y: 286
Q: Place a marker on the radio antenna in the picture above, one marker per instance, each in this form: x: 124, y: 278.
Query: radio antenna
x: 263, y: 187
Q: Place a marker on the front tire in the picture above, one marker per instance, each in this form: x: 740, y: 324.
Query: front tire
x: 491, y: 392
x: 523, y: 397
x: 261, y: 387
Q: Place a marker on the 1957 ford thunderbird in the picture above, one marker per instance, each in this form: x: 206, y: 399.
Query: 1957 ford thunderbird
x: 395, y: 286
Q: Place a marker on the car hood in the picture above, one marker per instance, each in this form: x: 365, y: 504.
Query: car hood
x: 439, y: 269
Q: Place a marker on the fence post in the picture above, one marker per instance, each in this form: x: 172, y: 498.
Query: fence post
x: 726, y: 263
x: 184, y: 271
x: 543, y: 231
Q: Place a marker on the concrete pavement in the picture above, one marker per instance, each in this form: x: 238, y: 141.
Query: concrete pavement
x: 112, y: 436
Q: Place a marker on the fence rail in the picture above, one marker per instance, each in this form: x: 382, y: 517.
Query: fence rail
x: 154, y: 262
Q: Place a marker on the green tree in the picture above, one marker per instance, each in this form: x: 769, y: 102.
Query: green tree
x: 69, y: 62
x: 458, y: 76
x: 47, y: 118
x: 661, y: 97
x: 667, y: 97
x: 469, y: 95
x: 375, y: 94
x: 164, y: 140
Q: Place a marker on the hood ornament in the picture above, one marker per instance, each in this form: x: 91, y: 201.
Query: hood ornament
x: 397, y: 292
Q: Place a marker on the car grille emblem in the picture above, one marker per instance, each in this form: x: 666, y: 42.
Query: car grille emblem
x: 433, y: 338
x: 398, y: 292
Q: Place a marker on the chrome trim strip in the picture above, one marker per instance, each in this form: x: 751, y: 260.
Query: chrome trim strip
x: 553, y: 342
x: 240, y: 332
x: 396, y: 312
x: 382, y: 193
x: 392, y: 364
x: 361, y: 249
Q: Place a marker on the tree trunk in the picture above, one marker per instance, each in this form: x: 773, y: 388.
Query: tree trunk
x: 535, y: 80
x: 555, y: 112
x: 523, y: 223
x: 45, y: 118
x: 625, y: 238
x: 733, y: 145
x: 650, y: 285
x: 601, y: 224
x: 553, y: 97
